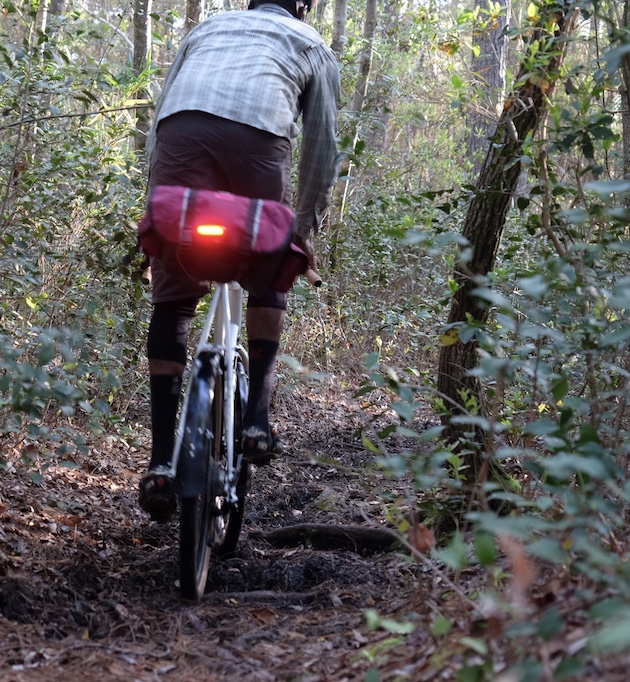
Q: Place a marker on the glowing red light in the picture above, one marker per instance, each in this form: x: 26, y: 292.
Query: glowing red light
x: 210, y: 230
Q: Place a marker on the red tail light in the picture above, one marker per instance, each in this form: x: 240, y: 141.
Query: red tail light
x: 210, y: 230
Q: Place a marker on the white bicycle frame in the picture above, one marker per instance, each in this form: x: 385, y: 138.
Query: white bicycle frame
x: 224, y: 320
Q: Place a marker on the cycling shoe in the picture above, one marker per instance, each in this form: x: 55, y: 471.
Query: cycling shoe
x: 157, y: 494
x: 260, y: 447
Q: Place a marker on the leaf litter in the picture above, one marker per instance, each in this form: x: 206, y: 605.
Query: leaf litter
x: 88, y: 586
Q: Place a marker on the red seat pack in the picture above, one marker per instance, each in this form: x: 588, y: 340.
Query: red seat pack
x: 222, y: 237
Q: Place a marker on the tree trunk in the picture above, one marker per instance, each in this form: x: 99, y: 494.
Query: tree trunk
x: 358, y: 99
x: 365, y: 65
x: 320, y: 11
x: 483, y: 227
x: 624, y: 91
x: 489, y: 69
x: 141, y: 57
x: 625, y: 121
x: 339, y: 27
x: 194, y: 13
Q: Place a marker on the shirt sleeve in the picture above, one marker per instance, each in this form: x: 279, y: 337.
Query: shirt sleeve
x: 318, y: 155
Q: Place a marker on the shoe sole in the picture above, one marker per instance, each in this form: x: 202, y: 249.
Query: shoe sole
x: 159, y: 507
x: 259, y: 456
x: 260, y: 459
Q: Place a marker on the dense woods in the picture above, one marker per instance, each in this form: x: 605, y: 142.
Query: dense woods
x: 476, y: 260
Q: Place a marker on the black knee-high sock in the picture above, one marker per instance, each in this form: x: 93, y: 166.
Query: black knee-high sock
x: 262, y: 365
x: 165, y: 390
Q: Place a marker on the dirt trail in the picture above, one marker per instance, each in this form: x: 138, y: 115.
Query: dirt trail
x: 88, y: 586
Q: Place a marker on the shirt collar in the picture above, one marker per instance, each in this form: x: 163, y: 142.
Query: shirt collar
x: 274, y: 9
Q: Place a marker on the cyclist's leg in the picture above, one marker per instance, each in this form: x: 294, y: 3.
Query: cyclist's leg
x: 265, y: 321
x: 166, y: 350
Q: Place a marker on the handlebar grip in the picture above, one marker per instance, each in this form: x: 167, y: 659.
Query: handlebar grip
x: 314, y: 278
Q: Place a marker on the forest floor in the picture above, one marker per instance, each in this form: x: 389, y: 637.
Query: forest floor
x: 88, y: 585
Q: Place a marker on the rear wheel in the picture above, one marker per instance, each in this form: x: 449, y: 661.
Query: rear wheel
x: 201, y: 448
x: 229, y: 523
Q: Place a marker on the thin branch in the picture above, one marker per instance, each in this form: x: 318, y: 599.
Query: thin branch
x: 38, y: 119
x: 116, y: 29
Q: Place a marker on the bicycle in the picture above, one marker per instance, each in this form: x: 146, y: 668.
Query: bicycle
x: 211, y: 476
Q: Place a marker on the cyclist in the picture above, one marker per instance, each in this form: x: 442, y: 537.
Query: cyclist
x: 226, y: 120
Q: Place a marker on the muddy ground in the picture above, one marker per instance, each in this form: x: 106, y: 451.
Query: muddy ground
x: 88, y: 586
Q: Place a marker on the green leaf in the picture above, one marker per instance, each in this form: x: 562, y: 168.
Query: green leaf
x: 616, y: 338
x: 368, y: 445
x: 559, y: 388
x: 441, y: 626
x: 493, y: 297
x: 68, y: 464
x: 518, y: 526
x: 404, y: 410
x: 472, y: 420
x: 45, y: 355
x: 565, y: 464
x: 569, y: 669
x: 609, y: 608
x: 542, y: 427
x: 485, y: 549
x: 550, y: 625
x: 535, y: 286
x: 371, y: 361
x: 456, y: 554
x: 407, y: 433
x: 601, y: 132
x: 614, y: 57
x: 522, y: 203
x: 375, y: 621
x: 614, y: 636
x: 605, y: 188
x: 476, y: 644
x: 431, y: 434
x: 548, y: 549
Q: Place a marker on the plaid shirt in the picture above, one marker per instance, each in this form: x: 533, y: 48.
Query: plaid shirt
x: 263, y: 68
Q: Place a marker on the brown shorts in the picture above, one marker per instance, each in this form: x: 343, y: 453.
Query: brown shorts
x: 199, y: 150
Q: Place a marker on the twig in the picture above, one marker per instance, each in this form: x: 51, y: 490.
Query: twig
x: 37, y: 119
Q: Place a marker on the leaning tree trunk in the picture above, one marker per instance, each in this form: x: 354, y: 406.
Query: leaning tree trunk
x: 483, y: 227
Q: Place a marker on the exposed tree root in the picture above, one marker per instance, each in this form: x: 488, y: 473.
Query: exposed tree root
x: 360, y: 539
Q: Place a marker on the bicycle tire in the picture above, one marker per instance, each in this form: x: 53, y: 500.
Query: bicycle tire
x: 199, y: 451
x: 226, y: 538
